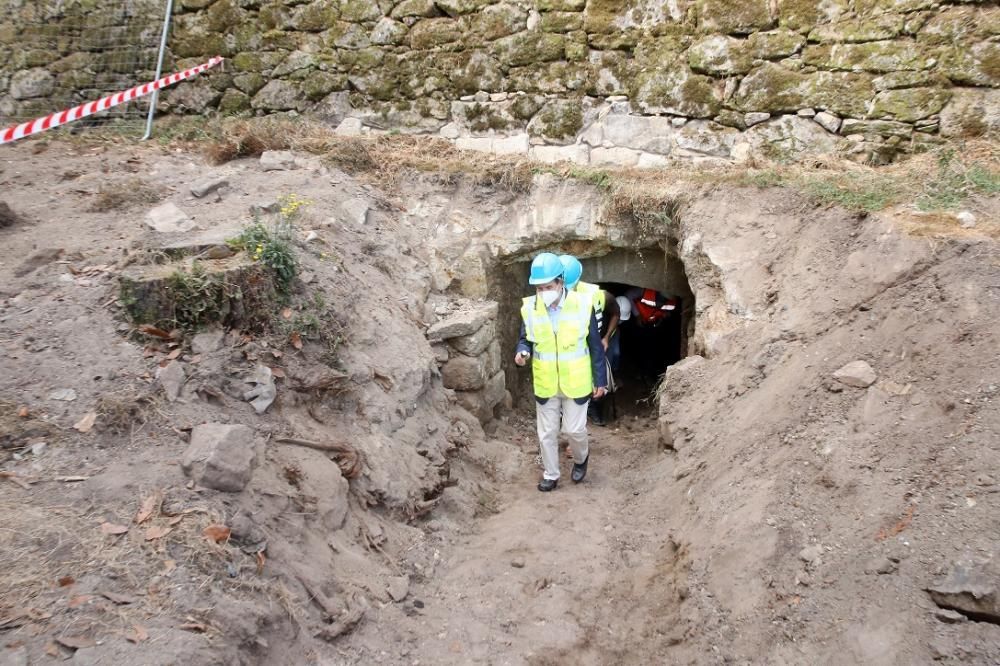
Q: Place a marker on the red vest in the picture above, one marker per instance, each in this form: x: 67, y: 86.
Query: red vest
x: 653, y: 310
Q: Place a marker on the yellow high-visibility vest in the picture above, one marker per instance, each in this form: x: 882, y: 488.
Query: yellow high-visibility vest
x: 560, y: 361
x: 596, y: 295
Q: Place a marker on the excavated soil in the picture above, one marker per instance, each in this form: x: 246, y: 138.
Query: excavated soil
x: 761, y: 512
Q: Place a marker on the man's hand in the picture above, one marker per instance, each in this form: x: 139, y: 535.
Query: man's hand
x: 521, y: 357
x: 604, y: 341
x: 600, y: 392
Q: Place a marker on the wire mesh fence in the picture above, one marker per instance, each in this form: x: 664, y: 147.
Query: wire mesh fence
x: 55, y: 54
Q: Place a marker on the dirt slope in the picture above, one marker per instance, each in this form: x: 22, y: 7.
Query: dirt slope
x: 793, y: 519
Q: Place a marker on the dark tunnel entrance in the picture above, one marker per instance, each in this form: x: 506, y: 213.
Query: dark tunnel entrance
x: 646, y: 351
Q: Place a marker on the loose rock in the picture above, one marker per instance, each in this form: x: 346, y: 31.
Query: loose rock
x: 970, y: 588
x: 207, y: 342
x: 857, y: 374
x: 208, y: 186
x: 464, y: 322
x: 171, y: 378
x: 220, y: 456
x: 811, y: 554
x: 399, y: 588
x: 262, y: 395
x: 168, y: 219
x: 949, y: 616
x: 277, y: 160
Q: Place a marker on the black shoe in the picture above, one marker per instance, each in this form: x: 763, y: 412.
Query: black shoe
x: 580, y: 471
x: 550, y: 484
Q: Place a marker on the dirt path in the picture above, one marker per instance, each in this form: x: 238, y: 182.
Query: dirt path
x: 536, y: 582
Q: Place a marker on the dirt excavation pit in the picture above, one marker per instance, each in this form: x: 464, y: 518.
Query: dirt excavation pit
x: 227, y: 445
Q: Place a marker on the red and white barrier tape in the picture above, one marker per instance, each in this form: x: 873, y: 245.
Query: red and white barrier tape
x: 103, y: 104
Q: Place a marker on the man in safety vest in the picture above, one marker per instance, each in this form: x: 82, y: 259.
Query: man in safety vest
x: 559, y: 334
x: 606, y: 312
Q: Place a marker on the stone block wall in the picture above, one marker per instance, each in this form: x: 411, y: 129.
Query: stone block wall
x: 469, y: 356
x: 633, y: 82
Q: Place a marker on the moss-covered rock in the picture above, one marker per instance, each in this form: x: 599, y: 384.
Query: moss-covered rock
x: 524, y: 107
x: 895, y: 80
x: 872, y: 129
x: 775, y: 44
x: 344, y: 35
x: 261, y: 61
x: 901, y: 6
x: 557, y: 122
x: 317, y: 16
x: 734, y: 18
x: 886, y: 26
x: 461, y: 7
x: 554, y: 78
x: 295, y: 62
x: 278, y: 95
x: 576, y: 46
x: 359, y: 11
x: 804, y: 15
x: 620, y: 40
x: 388, y: 32
x: 234, y: 102
x: 771, y: 88
x: 561, y: 5
x: 318, y: 85
x: 720, y: 56
x: 676, y: 90
x: 223, y: 16
x: 972, y: 113
x: 956, y: 25
x: 605, y: 16
x: 561, y: 21
x: 978, y: 65
x: 909, y: 104
x: 249, y: 83
x: 429, y: 33
x: 274, y: 16
x: 498, y: 21
x: 418, y: 8
x: 527, y: 48
x: 883, y: 56
x: 186, y: 44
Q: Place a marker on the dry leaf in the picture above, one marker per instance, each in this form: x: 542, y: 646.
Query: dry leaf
x: 194, y: 626
x: 176, y: 519
x: 87, y: 422
x: 138, y: 634
x: 52, y: 649
x: 147, y: 508
x: 287, y: 313
x: 217, y: 533
x: 66, y: 580
x: 120, y: 599
x: 14, y: 478
x: 174, y: 354
x: 23, y: 412
x: 276, y: 353
x: 80, y: 600
x: 278, y: 372
x: 295, y: 339
x: 111, y: 528
x: 155, y: 332
x: 168, y: 567
x: 157, y: 532
x: 76, y: 642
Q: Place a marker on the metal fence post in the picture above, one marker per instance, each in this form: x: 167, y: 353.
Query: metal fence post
x: 159, y: 70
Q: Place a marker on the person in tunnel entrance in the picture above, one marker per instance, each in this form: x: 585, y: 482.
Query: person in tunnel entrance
x: 559, y: 334
x: 650, y: 311
x: 605, y: 310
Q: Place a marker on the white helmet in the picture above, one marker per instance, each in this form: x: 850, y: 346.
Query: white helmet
x: 625, y: 308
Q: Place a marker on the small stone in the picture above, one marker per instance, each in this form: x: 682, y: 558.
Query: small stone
x: 857, y: 374
x: 66, y: 394
x: 949, y: 616
x: 966, y: 219
x: 517, y: 563
x: 264, y: 208
x: 806, y: 113
x: 482, y: 97
x: 277, y: 160
x: 811, y: 554
x: 171, y: 378
x: 218, y: 252
x: 881, y: 566
x: 498, y: 97
x: 349, y: 127
x: 38, y: 448
x: 677, y: 121
x: 755, y: 118
x: 264, y: 391
x: 207, y: 341
x: 828, y: 121
x: 220, y: 456
x: 168, y: 219
x: 399, y: 588
x: 208, y: 186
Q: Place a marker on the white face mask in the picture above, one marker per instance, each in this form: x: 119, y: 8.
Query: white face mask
x: 550, y: 296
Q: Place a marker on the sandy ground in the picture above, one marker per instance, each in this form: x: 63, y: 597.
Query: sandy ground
x: 794, y: 519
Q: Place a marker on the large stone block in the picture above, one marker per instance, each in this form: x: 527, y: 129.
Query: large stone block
x: 558, y: 121
x: 677, y: 90
x: 885, y: 26
x: 788, y: 137
x: 971, y: 589
x: 476, y: 343
x: 465, y: 373
x: 719, y: 55
x: 428, y: 33
x: 466, y: 321
x: 704, y: 137
x: 31, y: 83
x: 278, y: 96
x: 882, y: 56
x: 972, y: 113
x: 733, y: 18
x: 220, y: 456
x: 909, y: 104
x: 577, y: 154
x: 481, y: 402
x: 978, y: 65
x: 616, y: 156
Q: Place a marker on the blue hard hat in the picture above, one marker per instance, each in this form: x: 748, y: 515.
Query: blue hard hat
x: 572, y: 269
x: 545, y: 268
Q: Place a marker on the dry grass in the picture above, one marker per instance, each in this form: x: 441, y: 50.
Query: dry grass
x: 118, y: 196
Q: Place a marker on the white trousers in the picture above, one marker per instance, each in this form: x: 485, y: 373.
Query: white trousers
x: 574, y: 425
